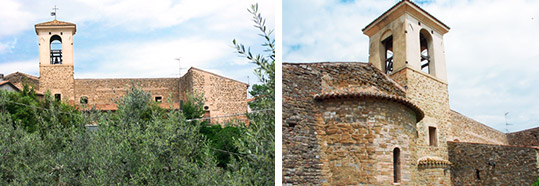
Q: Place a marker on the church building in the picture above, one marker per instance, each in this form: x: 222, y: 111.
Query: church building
x: 389, y: 122
x: 222, y: 95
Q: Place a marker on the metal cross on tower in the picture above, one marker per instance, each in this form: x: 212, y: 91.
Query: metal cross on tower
x: 53, y: 13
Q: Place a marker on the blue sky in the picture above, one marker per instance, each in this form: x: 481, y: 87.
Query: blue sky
x: 491, y: 52
x: 134, y: 38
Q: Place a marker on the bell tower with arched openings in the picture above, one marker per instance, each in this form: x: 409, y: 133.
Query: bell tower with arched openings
x: 406, y: 43
x: 56, y: 68
x: 407, y: 36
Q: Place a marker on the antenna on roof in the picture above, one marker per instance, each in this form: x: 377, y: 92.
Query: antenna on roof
x: 506, y: 124
x: 53, y: 13
x: 179, y: 66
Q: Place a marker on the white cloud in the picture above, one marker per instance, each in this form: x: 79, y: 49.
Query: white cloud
x: 13, y: 17
x: 7, y: 46
x: 150, y: 58
x: 29, y: 67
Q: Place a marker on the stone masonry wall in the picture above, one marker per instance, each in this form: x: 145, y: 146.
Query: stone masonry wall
x: 58, y: 79
x: 528, y: 137
x: 223, y: 96
x: 106, y: 91
x: 310, y: 157
x: 465, y: 129
x: 357, y: 137
x: 301, y: 152
x: 430, y: 95
x: 485, y: 164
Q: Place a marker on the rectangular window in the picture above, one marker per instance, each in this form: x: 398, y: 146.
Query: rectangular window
x: 433, y: 139
x: 58, y: 97
x: 158, y: 99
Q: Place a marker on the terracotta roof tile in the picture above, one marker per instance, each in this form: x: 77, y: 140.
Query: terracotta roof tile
x: 55, y: 23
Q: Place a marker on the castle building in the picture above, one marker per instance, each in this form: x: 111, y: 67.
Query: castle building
x: 389, y: 122
x: 222, y: 96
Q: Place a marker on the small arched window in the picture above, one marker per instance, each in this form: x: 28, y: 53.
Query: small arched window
x: 396, y: 165
x: 56, y: 49
x: 425, y: 41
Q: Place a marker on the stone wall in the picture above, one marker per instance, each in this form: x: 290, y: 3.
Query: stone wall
x: 58, y: 79
x: 223, y: 96
x: 357, y: 137
x: 105, y: 92
x: 485, y: 164
x: 430, y: 94
x: 528, y: 137
x: 465, y: 129
x: 337, y: 142
x: 301, y: 152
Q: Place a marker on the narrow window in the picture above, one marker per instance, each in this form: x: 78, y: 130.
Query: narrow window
x: 424, y: 42
x: 84, y: 100
x: 158, y: 99
x: 58, y: 97
x: 388, y: 47
x: 433, y: 140
x: 396, y: 165
x: 56, y: 49
x: 181, y: 104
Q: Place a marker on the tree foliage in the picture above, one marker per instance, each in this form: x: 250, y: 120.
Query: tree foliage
x: 257, y: 141
x: 25, y: 107
x: 126, y: 149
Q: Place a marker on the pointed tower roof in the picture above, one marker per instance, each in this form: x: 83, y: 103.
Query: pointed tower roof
x: 56, y: 24
x: 406, y: 6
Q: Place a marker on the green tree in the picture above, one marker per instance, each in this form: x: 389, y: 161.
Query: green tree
x: 193, y: 107
x: 257, y: 143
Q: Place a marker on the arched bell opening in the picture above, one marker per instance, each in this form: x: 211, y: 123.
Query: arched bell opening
x: 56, y: 49
x: 425, y: 41
x: 388, y: 54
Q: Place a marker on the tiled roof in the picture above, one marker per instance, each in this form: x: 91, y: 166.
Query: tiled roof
x: 364, y: 94
x: 55, y: 23
x: 6, y: 82
x: 354, y: 80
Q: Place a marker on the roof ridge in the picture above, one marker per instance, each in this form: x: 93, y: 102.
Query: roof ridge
x: 216, y: 75
x: 55, y: 23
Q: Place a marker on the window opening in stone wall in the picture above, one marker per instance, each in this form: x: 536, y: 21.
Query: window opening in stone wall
x: 433, y: 139
x: 84, y: 100
x: 206, y: 107
x: 425, y: 57
x: 181, y: 104
x: 388, y: 47
x: 477, y: 174
x: 158, y: 99
x: 56, y: 49
x: 396, y: 165
x: 58, y: 97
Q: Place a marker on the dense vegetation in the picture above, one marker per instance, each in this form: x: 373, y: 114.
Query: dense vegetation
x: 46, y: 142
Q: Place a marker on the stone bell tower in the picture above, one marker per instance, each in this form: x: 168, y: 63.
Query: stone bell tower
x: 406, y: 42
x: 56, y: 58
